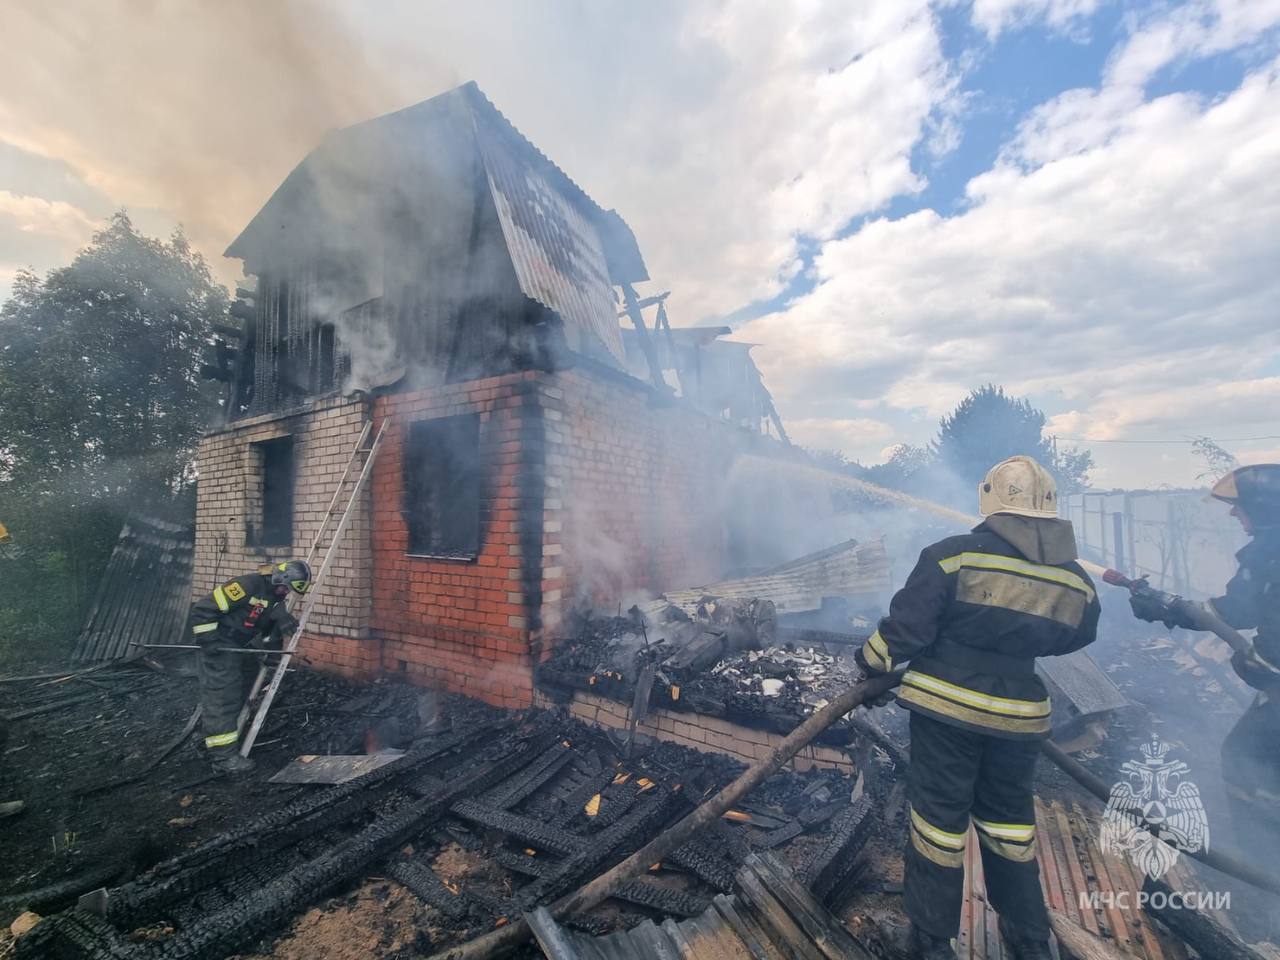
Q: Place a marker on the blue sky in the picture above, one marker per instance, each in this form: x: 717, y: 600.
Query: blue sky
x: 897, y: 199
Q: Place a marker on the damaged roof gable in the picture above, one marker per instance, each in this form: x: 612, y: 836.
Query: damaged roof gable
x: 566, y: 251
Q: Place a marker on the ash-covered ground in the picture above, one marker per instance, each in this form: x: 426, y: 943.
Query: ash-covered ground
x: 75, y: 746
x: 551, y: 795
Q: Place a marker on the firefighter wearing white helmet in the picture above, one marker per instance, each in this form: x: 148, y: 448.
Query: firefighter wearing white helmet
x: 1250, y: 763
x: 967, y: 627
x: 1021, y: 487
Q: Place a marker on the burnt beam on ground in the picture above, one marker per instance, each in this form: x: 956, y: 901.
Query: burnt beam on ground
x: 650, y: 813
x: 222, y: 857
x: 510, y: 792
x: 532, y: 832
x: 675, y: 903
x: 428, y: 887
x: 832, y: 864
x: 704, y: 861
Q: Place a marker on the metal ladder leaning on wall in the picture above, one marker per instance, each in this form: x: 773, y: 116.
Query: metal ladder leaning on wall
x: 309, y: 599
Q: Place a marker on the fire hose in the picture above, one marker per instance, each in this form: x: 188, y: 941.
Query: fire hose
x: 675, y: 836
x: 1203, y: 617
x: 505, y: 938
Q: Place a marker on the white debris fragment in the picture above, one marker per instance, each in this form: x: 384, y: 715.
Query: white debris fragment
x: 772, y: 687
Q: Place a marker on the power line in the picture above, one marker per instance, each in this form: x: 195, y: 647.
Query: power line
x: 1186, y: 440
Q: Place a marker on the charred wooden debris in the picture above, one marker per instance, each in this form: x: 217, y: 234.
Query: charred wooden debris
x: 729, y: 660
x: 545, y: 802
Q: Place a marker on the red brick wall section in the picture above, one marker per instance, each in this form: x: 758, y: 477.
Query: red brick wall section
x: 592, y: 494
x: 635, y: 494
x: 458, y: 624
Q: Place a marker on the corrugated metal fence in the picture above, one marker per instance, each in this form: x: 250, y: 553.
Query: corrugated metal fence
x: 1174, y: 537
x: 145, y: 592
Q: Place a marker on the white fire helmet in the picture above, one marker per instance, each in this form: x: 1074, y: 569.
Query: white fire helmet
x: 1018, y: 485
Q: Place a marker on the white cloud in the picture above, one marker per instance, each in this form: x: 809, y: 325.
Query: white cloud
x: 1194, y: 29
x: 810, y: 121
x: 994, y: 16
x: 1121, y: 260
x: 34, y: 215
x: 721, y: 131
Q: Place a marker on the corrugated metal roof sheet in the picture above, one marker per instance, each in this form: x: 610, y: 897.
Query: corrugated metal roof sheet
x: 557, y: 252
x: 144, y: 594
x: 845, y: 569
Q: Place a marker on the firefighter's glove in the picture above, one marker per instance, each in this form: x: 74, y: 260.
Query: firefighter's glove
x: 869, y: 673
x: 1154, y: 607
x: 884, y: 699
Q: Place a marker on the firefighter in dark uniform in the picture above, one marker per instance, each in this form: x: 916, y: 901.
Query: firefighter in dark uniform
x: 972, y: 617
x: 243, y: 612
x: 1250, y: 753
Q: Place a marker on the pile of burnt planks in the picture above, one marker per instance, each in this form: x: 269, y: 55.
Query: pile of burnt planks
x: 545, y: 803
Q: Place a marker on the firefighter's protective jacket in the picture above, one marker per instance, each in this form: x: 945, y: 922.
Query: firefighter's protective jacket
x: 240, y: 610
x: 1252, y: 601
x: 975, y: 613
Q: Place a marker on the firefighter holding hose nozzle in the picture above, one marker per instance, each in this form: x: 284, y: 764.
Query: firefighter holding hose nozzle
x: 972, y: 617
x: 1250, y: 755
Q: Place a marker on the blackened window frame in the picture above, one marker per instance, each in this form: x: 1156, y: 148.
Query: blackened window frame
x: 279, y: 477
x: 442, y: 474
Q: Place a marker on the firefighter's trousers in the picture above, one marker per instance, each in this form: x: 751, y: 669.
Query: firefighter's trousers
x: 1251, y: 770
x: 225, y: 679
x: 957, y: 776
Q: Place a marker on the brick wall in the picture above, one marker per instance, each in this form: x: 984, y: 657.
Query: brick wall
x: 635, y: 493
x: 464, y: 624
x: 591, y: 493
x: 229, y: 495
x: 708, y: 734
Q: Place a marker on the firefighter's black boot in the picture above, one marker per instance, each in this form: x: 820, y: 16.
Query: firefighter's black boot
x: 228, y: 761
x: 925, y: 946
x: 1023, y: 947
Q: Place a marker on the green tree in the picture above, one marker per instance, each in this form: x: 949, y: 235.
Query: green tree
x: 989, y: 426
x: 1217, y: 461
x: 101, y: 407
x: 907, y: 469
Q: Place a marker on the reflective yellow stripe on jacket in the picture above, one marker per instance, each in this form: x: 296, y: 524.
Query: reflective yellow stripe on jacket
x: 973, y: 707
x: 204, y: 628
x: 220, y: 598
x: 876, y: 653
x: 995, y: 561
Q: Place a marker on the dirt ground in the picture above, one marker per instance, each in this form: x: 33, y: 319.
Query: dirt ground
x: 379, y: 919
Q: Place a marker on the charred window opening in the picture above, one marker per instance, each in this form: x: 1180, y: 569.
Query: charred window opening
x: 276, y: 526
x: 442, y: 487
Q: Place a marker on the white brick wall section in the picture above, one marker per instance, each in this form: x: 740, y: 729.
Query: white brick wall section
x: 229, y: 490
